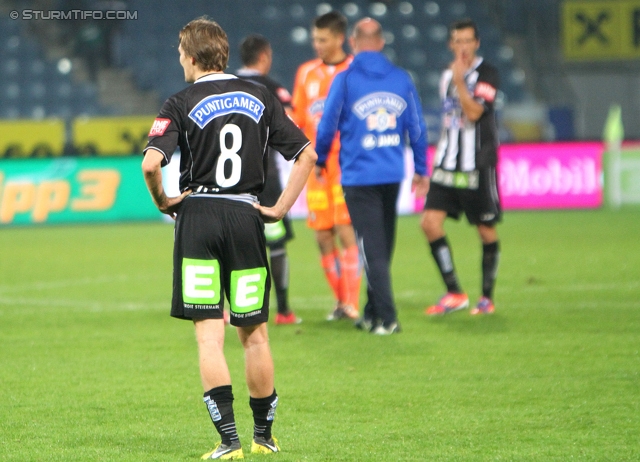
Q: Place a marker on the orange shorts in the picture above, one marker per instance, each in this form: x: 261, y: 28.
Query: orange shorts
x: 325, y: 199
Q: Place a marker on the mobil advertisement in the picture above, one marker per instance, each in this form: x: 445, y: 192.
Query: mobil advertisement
x: 550, y: 175
x: 104, y: 189
x: 536, y: 176
x: 65, y: 190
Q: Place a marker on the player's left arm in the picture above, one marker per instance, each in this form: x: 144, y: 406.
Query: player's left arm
x: 300, y: 171
x: 152, y: 170
x: 417, y: 130
x: 472, y: 109
x: 299, y: 101
x: 290, y: 141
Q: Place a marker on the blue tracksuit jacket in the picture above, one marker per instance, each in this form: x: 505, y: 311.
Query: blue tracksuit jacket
x: 375, y: 106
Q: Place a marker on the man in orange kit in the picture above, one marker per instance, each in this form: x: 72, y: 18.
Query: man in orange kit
x: 328, y: 214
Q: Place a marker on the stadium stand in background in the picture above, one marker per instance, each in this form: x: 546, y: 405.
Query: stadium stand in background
x: 75, y: 68
x: 34, y: 86
x: 91, y: 88
x: 416, y: 39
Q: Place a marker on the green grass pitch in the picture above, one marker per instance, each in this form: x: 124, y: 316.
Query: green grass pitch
x: 93, y: 368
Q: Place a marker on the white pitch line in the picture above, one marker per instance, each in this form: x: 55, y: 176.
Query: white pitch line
x: 45, y: 285
x: 314, y: 300
x: 573, y: 304
x: 542, y: 287
x: 84, y: 305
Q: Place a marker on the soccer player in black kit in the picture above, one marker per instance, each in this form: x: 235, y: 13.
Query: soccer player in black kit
x: 256, y: 56
x: 223, y: 126
x: 464, y: 169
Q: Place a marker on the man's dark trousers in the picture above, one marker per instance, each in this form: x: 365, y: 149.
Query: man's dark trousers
x: 373, y: 215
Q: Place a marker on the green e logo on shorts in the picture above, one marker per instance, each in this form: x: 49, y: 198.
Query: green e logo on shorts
x: 274, y: 231
x: 247, y: 289
x: 200, y: 281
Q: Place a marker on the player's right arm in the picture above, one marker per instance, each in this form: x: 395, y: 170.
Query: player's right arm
x: 163, y: 139
x: 471, y: 108
x: 152, y: 170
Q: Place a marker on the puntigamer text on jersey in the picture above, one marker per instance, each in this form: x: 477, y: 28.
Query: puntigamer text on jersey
x: 218, y: 105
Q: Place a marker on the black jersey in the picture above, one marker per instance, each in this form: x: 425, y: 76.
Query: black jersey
x: 464, y: 145
x: 223, y: 126
x: 284, y: 97
x: 274, y: 87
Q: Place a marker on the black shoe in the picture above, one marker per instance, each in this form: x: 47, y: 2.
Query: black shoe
x: 364, y: 324
x: 393, y: 328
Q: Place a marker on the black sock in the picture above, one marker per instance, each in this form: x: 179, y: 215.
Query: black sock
x: 442, y: 255
x: 264, y: 411
x: 280, y: 277
x: 490, y: 259
x: 219, y: 402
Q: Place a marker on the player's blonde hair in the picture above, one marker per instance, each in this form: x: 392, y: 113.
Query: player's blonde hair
x: 206, y: 42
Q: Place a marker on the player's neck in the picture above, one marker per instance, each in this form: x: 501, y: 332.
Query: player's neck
x: 337, y: 58
x: 260, y: 67
x: 249, y: 70
x: 199, y: 74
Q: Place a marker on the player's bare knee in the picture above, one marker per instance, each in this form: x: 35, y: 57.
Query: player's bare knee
x: 325, y: 241
x: 431, y: 226
x: 253, y: 335
x: 347, y: 235
x: 488, y: 233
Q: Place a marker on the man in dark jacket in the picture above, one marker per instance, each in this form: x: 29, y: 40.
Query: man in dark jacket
x: 375, y: 107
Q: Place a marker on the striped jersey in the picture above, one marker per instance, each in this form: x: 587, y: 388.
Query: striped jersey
x: 466, y: 146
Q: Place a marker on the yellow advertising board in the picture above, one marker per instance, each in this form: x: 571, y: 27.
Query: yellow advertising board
x: 601, y: 30
x: 31, y: 138
x: 72, y: 189
x: 111, y: 135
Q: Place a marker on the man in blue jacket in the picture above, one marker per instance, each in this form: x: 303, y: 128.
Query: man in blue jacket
x: 375, y: 107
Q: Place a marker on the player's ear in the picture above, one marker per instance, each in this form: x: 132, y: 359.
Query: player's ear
x: 193, y: 61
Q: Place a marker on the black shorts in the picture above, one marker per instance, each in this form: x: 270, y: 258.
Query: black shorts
x: 220, y: 249
x: 277, y: 234
x: 481, y: 205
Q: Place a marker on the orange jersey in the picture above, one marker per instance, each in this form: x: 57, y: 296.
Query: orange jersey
x: 310, y: 90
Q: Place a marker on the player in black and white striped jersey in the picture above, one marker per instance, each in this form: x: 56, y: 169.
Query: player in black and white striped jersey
x: 464, y: 175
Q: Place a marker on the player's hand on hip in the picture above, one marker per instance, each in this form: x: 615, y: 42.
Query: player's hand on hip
x: 270, y: 214
x: 172, y: 204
